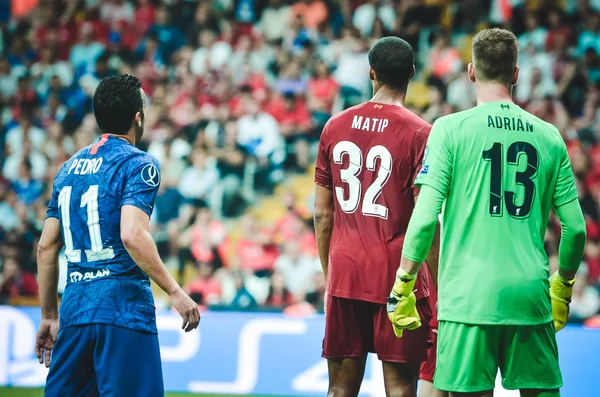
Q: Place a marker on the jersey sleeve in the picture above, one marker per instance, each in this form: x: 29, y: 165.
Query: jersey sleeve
x: 323, y: 166
x: 142, y: 180
x: 419, y: 150
x: 52, y: 211
x: 436, y: 170
x: 564, y: 190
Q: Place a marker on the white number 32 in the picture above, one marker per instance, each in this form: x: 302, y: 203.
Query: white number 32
x: 349, y: 176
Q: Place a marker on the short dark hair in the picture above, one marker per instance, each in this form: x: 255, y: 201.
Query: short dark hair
x: 116, y: 101
x: 495, y: 55
x: 392, y: 59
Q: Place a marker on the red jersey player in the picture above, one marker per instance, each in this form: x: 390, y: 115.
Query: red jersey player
x: 369, y: 156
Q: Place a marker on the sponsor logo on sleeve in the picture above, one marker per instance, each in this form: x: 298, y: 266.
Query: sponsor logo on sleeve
x: 151, y: 175
x: 425, y: 167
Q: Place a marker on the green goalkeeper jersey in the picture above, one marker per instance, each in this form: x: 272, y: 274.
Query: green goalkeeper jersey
x: 501, y: 169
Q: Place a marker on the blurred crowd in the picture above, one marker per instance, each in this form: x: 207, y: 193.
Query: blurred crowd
x: 238, y: 92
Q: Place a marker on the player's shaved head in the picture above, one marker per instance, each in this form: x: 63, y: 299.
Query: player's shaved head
x: 117, y: 100
x: 495, y: 55
x: 392, y: 61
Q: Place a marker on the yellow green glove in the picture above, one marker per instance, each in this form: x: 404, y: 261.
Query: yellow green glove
x: 560, y: 294
x: 401, y: 307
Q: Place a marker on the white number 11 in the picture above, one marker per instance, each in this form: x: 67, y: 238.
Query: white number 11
x: 90, y: 200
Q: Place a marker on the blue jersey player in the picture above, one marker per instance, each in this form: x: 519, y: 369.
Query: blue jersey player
x: 106, y: 343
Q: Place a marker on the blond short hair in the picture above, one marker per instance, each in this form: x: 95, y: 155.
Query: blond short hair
x: 495, y: 54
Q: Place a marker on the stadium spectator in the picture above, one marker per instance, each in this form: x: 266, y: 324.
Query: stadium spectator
x: 279, y: 295
x: 275, y: 20
x: 84, y: 53
x: 312, y: 13
x: 294, y: 123
x: 231, y: 160
x: 366, y: 15
x: 199, y: 177
x: 585, y: 301
x: 255, y: 250
x: 205, y: 239
x: 243, y: 299
x: 27, y: 188
x: 258, y: 134
x: 297, y: 268
x: 535, y: 34
x: 444, y: 59
x: 15, y: 282
x: 205, y: 289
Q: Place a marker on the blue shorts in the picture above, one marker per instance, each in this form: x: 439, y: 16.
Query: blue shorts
x: 105, y: 360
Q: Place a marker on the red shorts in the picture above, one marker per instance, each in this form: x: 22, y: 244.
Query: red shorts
x: 428, y: 367
x: 354, y: 328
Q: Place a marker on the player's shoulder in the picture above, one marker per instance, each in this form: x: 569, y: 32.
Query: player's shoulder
x: 548, y: 130
x: 63, y: 171
x: 341, y: 116
x: 137, y: 157
x: 420, y: 126
x: 456, y: 119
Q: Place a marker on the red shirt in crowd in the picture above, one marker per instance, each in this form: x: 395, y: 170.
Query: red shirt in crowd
x: 298, y: 115
x: 209, y: 288
x: 202, y: 246
x: 254, y: 256
x: 23, y: 285
x: 324, y: 90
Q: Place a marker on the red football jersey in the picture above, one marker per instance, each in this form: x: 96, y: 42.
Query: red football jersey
x: 369, y: 155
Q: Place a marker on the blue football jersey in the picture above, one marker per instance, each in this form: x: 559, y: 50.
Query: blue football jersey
x: 104, y: 285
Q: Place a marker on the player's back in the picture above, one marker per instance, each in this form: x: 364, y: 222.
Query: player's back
x: 104, y: 285
x: 369, y: 155
x: 504, y: 168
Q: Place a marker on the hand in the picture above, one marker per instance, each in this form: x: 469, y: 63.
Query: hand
x: 45, y: 340
x: 187, y: 308
x: 561, y: 291
x: 401, y: 307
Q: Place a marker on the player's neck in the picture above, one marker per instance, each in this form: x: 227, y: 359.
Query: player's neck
x: 127, y: 138
x: 389, y: 96
x: 492, y: 92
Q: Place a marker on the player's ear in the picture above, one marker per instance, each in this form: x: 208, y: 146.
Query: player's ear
x: 515, y: 76
x: 138, y: 119
x: 471, y: 72
x: 412, y: 73
x: 372, y: 74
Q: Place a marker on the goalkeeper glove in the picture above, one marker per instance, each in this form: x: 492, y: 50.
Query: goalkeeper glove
x: 401, y: 307
x: 560, y: 294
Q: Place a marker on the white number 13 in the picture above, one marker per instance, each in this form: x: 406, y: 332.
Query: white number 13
x: 349, y: 176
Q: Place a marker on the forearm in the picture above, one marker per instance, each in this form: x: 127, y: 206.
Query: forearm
x: 421, y: 230
x: 142, y: 249
x: 47, y: 259
x: 323, y: 229
x: 433, y: 257
x: 572, y: 241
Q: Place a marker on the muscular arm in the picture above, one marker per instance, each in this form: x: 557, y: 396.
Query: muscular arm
x: 572, y: 238
x: 323, y: 223
x: 47, y: 260
x: 421, y: 231
x: 136, y: 237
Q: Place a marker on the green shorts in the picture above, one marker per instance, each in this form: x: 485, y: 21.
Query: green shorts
x: 468, y: 357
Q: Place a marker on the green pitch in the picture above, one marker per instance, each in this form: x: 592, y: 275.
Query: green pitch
x: 20, y: 392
